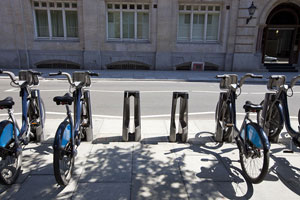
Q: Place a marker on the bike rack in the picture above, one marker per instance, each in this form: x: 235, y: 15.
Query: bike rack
x: 182, y: 134
x: 136, y: 135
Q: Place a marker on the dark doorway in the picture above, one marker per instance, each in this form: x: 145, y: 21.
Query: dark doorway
x: 282, y: 36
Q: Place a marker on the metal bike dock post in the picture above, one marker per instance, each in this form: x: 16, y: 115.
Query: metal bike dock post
x: 182, y: 134
x: 127, y: 135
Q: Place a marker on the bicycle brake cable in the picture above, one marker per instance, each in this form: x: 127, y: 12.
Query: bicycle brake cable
x: 240, y: 91
x: 292, y: 92
x: 12, y: 84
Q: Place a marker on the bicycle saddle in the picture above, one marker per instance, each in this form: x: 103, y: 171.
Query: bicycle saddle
x: 7, y: 103
x: 251, y: 107
x: 62, y: 100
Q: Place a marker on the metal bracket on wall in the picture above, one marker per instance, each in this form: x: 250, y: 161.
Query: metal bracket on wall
x: 127, y: 135
x: 182, y: 134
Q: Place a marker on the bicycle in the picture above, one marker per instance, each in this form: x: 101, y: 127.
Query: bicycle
x: 251, y: 140
x: 275, y: 111
x: 33, y: 119
x: 69, y: 132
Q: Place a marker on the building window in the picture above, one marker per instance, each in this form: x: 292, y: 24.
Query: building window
x: 55, y: 20
x: 128, y: 21
x: 198, y: 23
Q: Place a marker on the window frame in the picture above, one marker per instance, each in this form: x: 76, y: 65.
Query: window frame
x: 49, y: 9
x: 199, y: 11
x: 135, y: 11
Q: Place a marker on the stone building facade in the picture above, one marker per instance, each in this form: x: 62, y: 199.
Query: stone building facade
x: 149, y: 34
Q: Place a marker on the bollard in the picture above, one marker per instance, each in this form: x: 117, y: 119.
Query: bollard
x: 127, y: 136
x: 182, y: 134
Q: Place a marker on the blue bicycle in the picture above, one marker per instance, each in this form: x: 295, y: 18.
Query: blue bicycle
x: 68, y: 135
x: 33, y: 119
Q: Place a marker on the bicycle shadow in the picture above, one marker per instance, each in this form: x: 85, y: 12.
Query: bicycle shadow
x: 221, y: 175
x: 36, y: 180
x: 288, y: 174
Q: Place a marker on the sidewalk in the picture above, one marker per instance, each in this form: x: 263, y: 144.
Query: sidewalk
x: 144, y: 75
x: 153, y: 168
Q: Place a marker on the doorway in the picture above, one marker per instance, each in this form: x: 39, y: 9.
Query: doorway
x: 282, y: 36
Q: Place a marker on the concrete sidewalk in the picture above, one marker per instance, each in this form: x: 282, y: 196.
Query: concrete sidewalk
x: 144, y: 75
x: 154, y: 168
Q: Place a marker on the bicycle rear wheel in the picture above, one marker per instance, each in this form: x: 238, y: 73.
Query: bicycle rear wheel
x: 63, y: 158
x: 254, y: 156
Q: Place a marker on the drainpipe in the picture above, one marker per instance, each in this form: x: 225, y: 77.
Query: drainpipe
x: 25, y: 34
x: 14, y: 32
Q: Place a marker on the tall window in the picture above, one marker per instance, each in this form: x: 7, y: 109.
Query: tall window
x: 198, y: 23
x: 128, y: 21
x: 55, y: 20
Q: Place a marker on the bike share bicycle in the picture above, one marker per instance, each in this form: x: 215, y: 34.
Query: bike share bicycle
x: 33, y: 119
x: 251, y: 140
x: 275, y: 111
x: 69, y: 133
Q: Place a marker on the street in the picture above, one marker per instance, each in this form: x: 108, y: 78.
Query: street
x: 156, y: 97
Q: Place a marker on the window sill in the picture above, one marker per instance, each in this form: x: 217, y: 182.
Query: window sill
x: 128, y: 41
x: 57, y: 40
x: 198, y: 42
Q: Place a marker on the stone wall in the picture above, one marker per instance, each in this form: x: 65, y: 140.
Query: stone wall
x: 237, y: 49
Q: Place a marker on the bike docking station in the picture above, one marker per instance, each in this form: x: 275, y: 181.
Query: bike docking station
x: 127, y: 135
x: 182, y: 134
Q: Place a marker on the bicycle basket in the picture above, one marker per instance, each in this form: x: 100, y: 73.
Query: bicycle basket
x: 228, y: 80
x: 275, y: 82
x: 29, y: 77
x: 82, y: 77
x: 25, y: 75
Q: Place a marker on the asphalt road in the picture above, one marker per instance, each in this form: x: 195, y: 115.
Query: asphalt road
x: 156, y: 97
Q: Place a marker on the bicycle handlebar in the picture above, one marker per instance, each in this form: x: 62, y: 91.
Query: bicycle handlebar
x: 248, y: 75
x: 11, y: 76
x: 65, y: 74
x: 294, y: 80
x: 93, y: 74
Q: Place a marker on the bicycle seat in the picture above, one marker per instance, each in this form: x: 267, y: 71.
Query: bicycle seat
x: 251, y: 107
x: 7, y: 103
x: 62, y: 100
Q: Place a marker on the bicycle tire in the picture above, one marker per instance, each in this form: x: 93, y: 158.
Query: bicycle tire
x: 225, y: 118
x: 10, y: 165
x: 218, y: 136
x: 255, y: 145
x: 274, y: 123
x: 63, y: 159
x: 299, y: 117
x: 86, y: 128
x: 34, y: 116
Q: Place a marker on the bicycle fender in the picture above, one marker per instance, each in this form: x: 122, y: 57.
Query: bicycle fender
x: 63, y: 135
x: 6, y: 132
x: 255, y: 133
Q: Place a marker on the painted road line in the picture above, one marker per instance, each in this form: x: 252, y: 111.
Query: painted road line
x: 12, y: 90
x: 145, y: 116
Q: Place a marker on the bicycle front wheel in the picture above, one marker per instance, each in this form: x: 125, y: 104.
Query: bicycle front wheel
x: 10, y: 161
x: 254, y: 156
x: 63, y: 158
